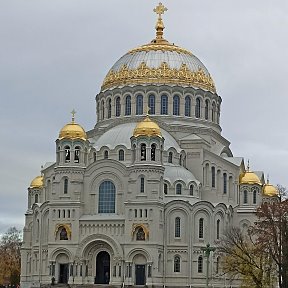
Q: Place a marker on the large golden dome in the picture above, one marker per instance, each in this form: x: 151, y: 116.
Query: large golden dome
x: 37, y: 182
x: 159, y: 62
x: 270, y: 190
x: 72, y: 131
x: 147, y: 128
x: 249, y: 177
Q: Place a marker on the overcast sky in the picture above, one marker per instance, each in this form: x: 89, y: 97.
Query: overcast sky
x: 54, y: 55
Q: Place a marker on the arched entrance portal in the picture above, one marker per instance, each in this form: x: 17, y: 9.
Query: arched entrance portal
x: 102, y: 268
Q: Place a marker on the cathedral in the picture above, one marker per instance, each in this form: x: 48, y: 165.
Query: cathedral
x: 138, y: 199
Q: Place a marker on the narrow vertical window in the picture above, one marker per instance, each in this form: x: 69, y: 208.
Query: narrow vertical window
x: 207, y: 109
x: 106, y: 154
x: 165, y: 188
x: 187, y: 106
x: 217, y: 265
x: 201, y: 228
x: 121, y: 155
x: 65, y: 190
x: 142, y: 185
x: 198, y: 108
x: 139, y: 105
x: 128, y: 105
x: 151, y: 104
x: 170, y: 157
x: 200, y: 264
x: 77, y: 154
x: 178, y: 189
x: 107, y: 194
x: 245, y: 197
x: 102, y: 110
x: 153, y: 152
x: 177, y: 227
x: 213, y: 177
x: 224, y: 183
x: 218, y: 229
x: 164, y: 105
x: 118, y: 107
x: 254, y: 196
x: 36, y: 198
x: 176, y: 264
x: 213, y: 112
x: 67, y: 154
x: 143, y: 152
x: 176, y: 105
x: 191, y: 189
x: 109, y: 108
x: 94, y: 156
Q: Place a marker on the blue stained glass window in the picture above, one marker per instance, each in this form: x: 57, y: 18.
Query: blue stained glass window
x: 164, y: 105
x: 187, y: 106
x: 139, y: 105
x: 128, y: 105
x: 177, y: 227
x: 107, y: 193
x: 151, y: 104
x: 118, y: 107
x: 176, y: 105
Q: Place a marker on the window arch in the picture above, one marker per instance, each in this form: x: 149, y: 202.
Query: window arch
x: 224, y: 183
x: 200, y: 264
x: 128, y: 105
x: 106, y: 154
x: 187, y: 106
x: 164, y: 105
x: 67, y: 154
x: 143, y: 152
x: 165, y: 188
x: 218, y: 229
x: 65, y: 188
x: 176, y: 264
x: 178, y: 189
x: 107, y: 194
x: 170, y: 157
x: 198, y: 108
x: 109, y: 108
x: 139, y: 105
x: 77, y: 154
x: 177, y: 227
x: 245, y: 196
x: 118, y: 107
x: 201, y: 228
x: 207, y: 107
x: 191, y: 189
x: 121, y: 155
x: 36, y: 198
x: 213, y: 112
x: 213, y: 177
x: 153, y: 152
x: 176, y: 105
x: 140, y: 234
x: 151, y: 104
x: 254, y: 196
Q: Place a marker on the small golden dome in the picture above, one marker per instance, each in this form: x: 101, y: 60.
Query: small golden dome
x: 72, y: 131
x: 270, y: 190
x: 147, y: 128
x: 37, y: 182
x: 249, y: 177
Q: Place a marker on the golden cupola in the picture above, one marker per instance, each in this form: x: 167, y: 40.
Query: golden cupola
x: 37, y: 182
x: 72, y: 130
x: 147, y: 128
x: 249, y: 177
x: 270, y: 190
x: 159, y: 62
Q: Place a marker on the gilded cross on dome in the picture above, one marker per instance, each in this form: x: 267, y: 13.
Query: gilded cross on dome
x: 160, y: 9
x: 73, y: 112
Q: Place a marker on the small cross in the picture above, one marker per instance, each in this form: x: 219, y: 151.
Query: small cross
x: 73, y: 112
x: 160, y: 9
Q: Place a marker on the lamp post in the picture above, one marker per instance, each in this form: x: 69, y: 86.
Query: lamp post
x: 207, y: 250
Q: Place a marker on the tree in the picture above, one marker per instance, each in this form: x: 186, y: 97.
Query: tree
x: 245, y: 259
x: 10, y: 244
x: 271, y: 231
